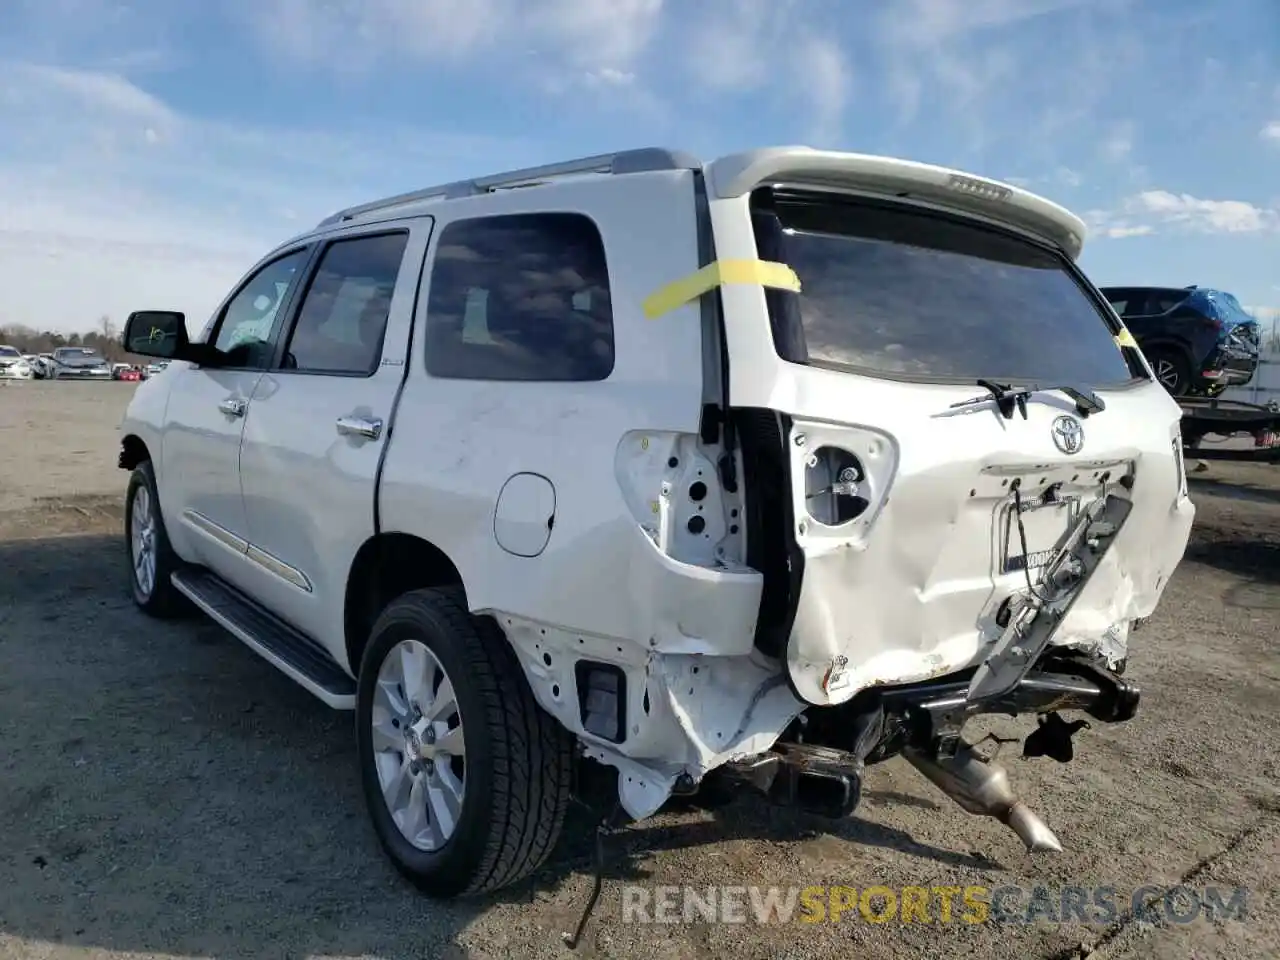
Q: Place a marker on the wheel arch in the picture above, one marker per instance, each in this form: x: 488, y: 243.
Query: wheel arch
x: 386, y: 566
x: 1165, y: 342
x: 133, y: 451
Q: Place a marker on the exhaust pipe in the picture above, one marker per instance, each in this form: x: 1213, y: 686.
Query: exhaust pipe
x: 983, y: 788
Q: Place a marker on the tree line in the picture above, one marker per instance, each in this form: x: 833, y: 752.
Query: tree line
x: 105, y: 339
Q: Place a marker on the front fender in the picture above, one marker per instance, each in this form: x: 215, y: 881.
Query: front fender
x: 144, y: 419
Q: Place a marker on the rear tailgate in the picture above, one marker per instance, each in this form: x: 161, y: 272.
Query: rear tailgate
x: 903, y: 494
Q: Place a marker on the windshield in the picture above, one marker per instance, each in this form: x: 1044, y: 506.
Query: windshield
x: 9, y: 352
x: 73, y: 353
x: 899, y: 292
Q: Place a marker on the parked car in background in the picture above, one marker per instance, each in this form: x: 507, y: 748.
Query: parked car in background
x: 132, y: 374
x: 1198, y: 341
x: 80, y: 363
x: 13, y: 365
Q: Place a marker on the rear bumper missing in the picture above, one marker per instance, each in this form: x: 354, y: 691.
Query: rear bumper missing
x: 823, y: 775
x: 1057, y: 683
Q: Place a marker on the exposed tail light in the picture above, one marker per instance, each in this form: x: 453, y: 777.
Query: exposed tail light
x: 842, y: 479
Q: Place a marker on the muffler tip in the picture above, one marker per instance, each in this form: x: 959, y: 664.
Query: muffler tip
x: 1031, y: 830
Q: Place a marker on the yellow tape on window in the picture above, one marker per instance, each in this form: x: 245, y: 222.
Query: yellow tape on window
x: 764, y: 273
x: 1125, y: 339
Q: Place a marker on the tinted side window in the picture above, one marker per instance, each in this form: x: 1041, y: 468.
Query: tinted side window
x: 247, y: 323
x: 1164, y: 302
x: 343, y: 316
x: 520, y: 297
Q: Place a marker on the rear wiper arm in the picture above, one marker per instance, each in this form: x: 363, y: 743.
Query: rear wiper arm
x: 1008, y: 398
x: 1005, y: 396
x: 1086, y: 400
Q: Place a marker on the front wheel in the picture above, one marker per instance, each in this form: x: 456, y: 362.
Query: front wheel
x: 465, y: 777
x: 151, y: 558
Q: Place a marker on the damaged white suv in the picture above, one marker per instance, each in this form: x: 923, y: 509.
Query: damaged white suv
x: 750, y: 472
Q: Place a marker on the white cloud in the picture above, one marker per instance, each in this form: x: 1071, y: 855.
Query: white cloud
x: 1120, y: 231
x: 1271, y: 131
x: 1068, y: 177
x: 1109, y: 224
x: 1145, y: 213
x: 1118, y: 143
x: 948, y: 45
x: 588, y: 36
x: 112, y: 200
x: 1211, y: 216
x: 103, y: 91
x: 768, y: 49
x: 611, y: 77
x: 824, y: 76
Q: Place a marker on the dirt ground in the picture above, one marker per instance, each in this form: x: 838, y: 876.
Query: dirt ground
x: 165, y: 793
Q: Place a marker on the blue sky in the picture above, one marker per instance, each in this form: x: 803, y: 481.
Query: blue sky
x: 151, y: 150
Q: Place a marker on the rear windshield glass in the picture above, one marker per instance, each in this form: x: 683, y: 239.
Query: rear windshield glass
x: 903, y: 293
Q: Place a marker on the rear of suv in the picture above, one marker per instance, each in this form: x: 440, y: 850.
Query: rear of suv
x: 1199, y: 341
x: 747, y: 473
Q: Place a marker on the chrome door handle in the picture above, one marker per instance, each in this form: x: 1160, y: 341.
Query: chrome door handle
x: 368, y: 427
x: 233, y: 407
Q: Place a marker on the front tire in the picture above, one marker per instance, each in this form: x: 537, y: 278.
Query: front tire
x: 466, y: 778
x: 151, y: 558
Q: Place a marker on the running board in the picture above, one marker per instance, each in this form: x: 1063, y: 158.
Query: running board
x: 289, y: 651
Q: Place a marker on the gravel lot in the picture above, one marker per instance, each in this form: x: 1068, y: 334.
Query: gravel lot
x: 163, y: 792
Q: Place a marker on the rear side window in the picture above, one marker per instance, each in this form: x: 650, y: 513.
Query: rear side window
x: 1159, y: 303
x: 891, y: 291
x: 520, y: 297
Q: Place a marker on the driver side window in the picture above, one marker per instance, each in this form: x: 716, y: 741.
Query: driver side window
x: 249, y: 320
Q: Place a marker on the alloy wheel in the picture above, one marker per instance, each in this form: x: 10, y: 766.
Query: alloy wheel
x: 418, y: 745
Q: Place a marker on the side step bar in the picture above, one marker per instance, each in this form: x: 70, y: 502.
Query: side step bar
x: 292, y: 653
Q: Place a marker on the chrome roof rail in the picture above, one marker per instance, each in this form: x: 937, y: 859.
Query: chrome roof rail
x: 642, y: 160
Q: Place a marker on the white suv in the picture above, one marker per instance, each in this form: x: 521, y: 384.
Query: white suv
x: 749, y: 472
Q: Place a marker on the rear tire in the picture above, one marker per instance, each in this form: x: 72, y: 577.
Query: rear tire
x: 482, y: 784
x: 1172, y: 369
x: 152, y: 561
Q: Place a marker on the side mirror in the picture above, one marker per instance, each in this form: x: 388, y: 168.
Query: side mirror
x: 156, y: 333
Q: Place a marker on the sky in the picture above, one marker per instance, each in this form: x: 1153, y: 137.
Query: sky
x: 152, y: 150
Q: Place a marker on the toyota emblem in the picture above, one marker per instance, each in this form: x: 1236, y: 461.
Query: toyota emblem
x: 1068, y: 434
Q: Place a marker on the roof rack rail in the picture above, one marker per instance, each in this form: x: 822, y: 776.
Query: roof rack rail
x: 642, y: 160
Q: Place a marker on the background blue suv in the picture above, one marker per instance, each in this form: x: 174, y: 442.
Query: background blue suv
x: 1198, y: 341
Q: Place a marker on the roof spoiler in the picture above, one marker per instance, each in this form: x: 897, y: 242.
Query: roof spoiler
x: 739, y: 174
